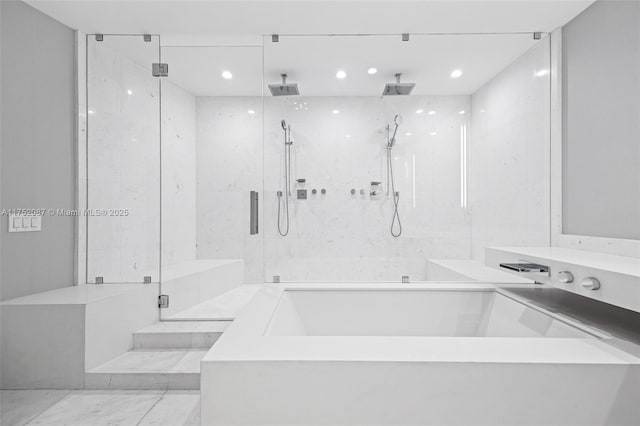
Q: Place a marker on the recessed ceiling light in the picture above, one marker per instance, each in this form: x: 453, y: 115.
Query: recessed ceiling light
x: 227, y: 75
x: 129, y: 92
x: 347, y: 136
x: 335, y: 111
x: 433, y: 133
x: 419, y: 111
x: 542, y: 73
x: 432, y: 112
x: 408, y: 134
x: 372, y: 70
x: 456, y: 73
x: 341, y: 74
x: 251, y: 111
x: 461, y: 112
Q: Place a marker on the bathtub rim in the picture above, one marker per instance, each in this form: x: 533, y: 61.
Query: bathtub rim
x: 245, y: 339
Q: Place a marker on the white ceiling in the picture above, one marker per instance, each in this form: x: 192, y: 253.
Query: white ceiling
x: 428, y: 61
x: 198, y: 70
x: 311, y: 16
x: 312, y: 62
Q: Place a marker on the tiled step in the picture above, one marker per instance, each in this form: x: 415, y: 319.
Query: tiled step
x: 179, y: 335
x: 143, y: 369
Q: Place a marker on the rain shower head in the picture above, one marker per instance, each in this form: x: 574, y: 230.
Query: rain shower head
x: 284, y: 89
x: 397, y: 88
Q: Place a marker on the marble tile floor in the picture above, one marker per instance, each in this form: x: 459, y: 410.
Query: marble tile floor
x: 93, y: 407
x: 224, y: 307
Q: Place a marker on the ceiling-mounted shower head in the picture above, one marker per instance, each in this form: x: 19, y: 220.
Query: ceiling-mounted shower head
x: 284, y: 89
x: 397, y: 88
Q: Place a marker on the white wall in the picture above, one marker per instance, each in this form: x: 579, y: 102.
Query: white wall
x: 336, y: 236
x: 601, y: 121
x: 38, y: 148
x: 510, y: 156
x: 178, y: 174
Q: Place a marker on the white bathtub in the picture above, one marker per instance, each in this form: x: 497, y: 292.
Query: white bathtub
x: 402, y: 312
x: 391, y: 354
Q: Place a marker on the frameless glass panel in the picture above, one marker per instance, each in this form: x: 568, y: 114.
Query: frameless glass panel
x: 211, y: 161
x: 369, y: 172
x: 123, y: 159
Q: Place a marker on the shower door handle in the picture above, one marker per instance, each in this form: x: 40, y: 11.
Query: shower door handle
x: 253, y: 212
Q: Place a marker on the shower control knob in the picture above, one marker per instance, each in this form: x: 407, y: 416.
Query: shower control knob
x: 565, y: 277
x: 353, y: 191
x: 314, y: 191
x: 591, y: 283
x: 323, y: 191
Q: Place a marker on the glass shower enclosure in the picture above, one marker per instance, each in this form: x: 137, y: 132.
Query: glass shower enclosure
x: 122, y: 159
x: 217, y: 177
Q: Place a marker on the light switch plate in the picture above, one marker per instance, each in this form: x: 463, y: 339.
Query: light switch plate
x: 25, y: 223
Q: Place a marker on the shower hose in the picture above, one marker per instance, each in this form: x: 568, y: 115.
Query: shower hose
x: 396, y: 200
x: 287, y: 168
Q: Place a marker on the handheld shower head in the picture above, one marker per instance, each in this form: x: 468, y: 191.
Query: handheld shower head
x: 397, y: 120
x: 284, y: 125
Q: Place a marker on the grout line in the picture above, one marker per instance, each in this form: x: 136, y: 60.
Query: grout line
x: 154, y: 404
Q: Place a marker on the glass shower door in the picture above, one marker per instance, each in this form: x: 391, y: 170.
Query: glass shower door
x: 123, y: 159
x: 211, y: 179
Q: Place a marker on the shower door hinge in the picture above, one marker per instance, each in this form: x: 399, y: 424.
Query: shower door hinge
x: 275, y: 38
x: 146, y: 37
x: 276, y: 279
x: 405, y: 37
x: 163, y: 301
x: 147, y: 279
x: 160, y: 69
x: 99, y: 280
x: 99, y: 37
x: 405, y: 279
x: 537, y: 36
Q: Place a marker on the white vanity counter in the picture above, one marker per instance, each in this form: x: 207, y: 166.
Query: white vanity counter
x: 618, y: 276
